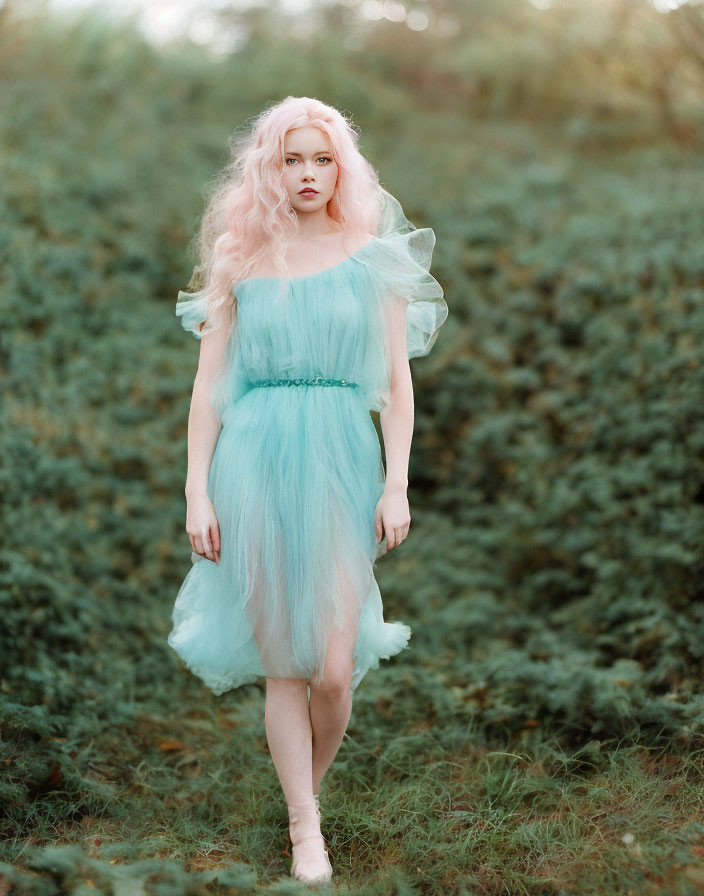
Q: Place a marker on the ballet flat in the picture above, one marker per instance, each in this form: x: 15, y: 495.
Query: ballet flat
x: 314, y: 867
x: 316, y: 797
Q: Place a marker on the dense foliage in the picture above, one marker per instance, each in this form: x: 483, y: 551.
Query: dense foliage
x: 553, y: 572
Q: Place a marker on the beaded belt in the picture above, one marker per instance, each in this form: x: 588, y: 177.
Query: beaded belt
x: 302, y: 381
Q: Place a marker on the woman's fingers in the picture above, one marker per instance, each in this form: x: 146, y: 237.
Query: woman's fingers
x: 398, y: 534
x: 207, y: 545
x: 215, y: 539
x: 203, y: 529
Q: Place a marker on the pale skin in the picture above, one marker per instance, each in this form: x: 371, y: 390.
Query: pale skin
x: 309, y: 747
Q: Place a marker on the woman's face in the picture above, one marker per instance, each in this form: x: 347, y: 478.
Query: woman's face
x: 309, y: 165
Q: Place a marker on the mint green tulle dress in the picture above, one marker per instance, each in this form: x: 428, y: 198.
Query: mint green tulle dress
x: 297, y: 469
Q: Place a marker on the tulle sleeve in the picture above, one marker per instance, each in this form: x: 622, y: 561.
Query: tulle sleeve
x: 397, y: 264
x: 192, y: 308
x: 199, y: 314
x: 231, y: 381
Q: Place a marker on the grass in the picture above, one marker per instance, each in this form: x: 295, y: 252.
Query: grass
x: 433, y: 807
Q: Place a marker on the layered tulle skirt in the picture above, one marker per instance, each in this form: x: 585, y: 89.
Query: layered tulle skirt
x: 295, y: 478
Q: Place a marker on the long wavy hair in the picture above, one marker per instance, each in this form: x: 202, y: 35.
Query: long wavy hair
x: 248, y: 217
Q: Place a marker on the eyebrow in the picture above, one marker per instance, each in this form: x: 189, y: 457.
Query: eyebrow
x: 318, y: 153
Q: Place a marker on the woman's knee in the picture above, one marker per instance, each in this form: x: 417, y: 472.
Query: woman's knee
x: 335, y: 684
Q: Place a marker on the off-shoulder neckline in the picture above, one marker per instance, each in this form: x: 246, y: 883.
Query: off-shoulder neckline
x: 333, y: 267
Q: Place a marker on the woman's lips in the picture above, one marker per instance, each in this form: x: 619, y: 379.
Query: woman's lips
x: 308, y: 193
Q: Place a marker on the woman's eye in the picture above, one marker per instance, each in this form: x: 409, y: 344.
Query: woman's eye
x: 324, y: 158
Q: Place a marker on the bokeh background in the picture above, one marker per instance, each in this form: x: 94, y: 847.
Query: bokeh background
x: 543, y: 732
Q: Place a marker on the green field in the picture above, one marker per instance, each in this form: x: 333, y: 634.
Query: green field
x: 543, y: 733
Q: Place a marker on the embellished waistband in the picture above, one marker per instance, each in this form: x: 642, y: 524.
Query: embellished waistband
x: 302, y: 381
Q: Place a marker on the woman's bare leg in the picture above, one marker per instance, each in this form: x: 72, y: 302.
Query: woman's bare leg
x: 331, y: 701
x: 289, y: 735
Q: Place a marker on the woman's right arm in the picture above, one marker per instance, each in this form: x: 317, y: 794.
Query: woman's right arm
x: 203, y: 431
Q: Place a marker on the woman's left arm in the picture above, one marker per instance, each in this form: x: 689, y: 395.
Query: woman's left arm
x: 397, y: 418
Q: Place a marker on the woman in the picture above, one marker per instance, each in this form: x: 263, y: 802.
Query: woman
x: 315, y: 292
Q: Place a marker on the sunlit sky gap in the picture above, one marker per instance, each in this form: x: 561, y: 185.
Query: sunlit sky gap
x: 161, y: 21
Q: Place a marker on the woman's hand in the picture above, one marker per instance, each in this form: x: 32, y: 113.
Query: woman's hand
x: 202, y: 527
x: 392, y: 517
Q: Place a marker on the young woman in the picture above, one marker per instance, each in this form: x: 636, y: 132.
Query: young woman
x: 313, y: 293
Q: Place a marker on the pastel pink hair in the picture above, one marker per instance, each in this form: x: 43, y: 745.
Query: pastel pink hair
x: 248, y: 218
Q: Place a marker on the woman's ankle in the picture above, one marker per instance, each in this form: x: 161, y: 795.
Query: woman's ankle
x: 300, y: 811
